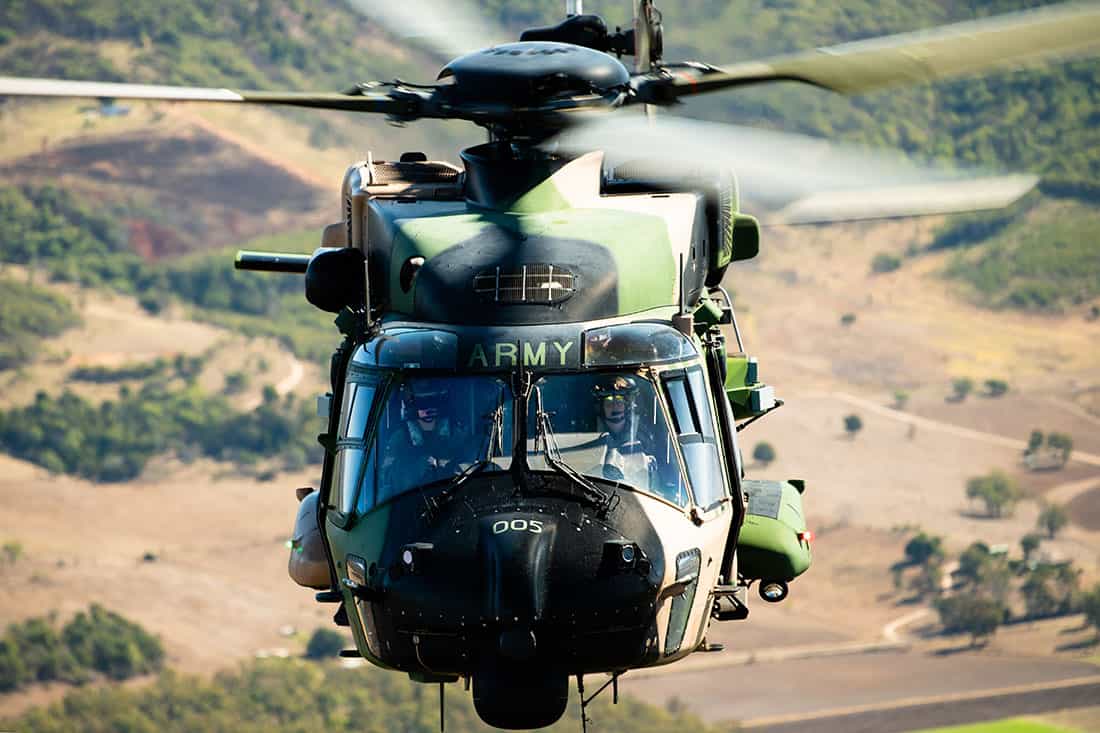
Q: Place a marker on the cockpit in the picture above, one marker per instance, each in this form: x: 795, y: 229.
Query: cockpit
x: 623, y: 406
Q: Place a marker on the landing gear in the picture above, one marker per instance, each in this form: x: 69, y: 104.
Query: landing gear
x: 613, y: 682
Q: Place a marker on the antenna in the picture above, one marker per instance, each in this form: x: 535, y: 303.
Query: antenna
x: 574, y: 7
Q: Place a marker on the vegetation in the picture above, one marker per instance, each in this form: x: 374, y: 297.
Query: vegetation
x: 852, y: 425
x: 1029, y: 543
x: 924, y: 548
x: 901, y: 399
x: 28, y: 314
x: 292, y: 695
x: 848, y: 319
x: 972, y: 615
x: 1090, y: 606
x: 960, y: 388
x: 44, y: 228
x: 995, y: 387
x: 114, y: 441
x: 998, y: 491
x: 12, y: 551
x: 1044, y: 263
x: 763, y: 453
x: 124, y: 373
x: 325, y: 643
x: 1058, y: 448
x: 98, y: 641
x: 885, y: 262
x: 1050, y: 590
x: 1052, y: 519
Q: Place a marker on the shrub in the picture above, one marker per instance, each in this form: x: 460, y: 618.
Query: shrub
x: 108, y: 643
x: 961, y: 388
x: 324, y: 643
x: 763, y: 453
x: 853, y: 424
x: 995, y: 387
x: 901, y: 399
x: 885, y: 262
x: 848, y: 319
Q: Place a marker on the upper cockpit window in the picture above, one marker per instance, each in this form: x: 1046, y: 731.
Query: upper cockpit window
x: 410, y: 348
x: 635, y: 343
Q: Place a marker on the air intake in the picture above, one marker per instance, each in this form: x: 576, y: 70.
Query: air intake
x: 535, y: 284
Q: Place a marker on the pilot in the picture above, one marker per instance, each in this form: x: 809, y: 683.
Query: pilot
x: 422, y: 448
x: 627, y: 456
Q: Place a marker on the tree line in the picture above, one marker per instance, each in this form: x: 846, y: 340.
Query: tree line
x: 989, y: 587
x: 94, y: 642
x: 114, y: 440
x: 275, y: 695
x: 43, y: 228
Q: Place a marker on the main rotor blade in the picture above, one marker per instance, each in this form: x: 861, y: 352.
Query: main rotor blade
x: 908, y: 58
x: 795, y: 179
x: 378, y: 102
x: 445, y: 28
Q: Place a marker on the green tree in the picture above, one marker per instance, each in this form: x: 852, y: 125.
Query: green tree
x: 924, y: 549
x: 995, y: 387
x: 974, y: 615
x: 1062, y: 444
x: 763, y: 453
x: 1050, y: 589
x: 1029, y: 543
x: 997, y: 491
x: 961, y: 387
x: 1034, y: 442
x: 852, y: 425
x: 1052, y: 519
x: 324, y: 643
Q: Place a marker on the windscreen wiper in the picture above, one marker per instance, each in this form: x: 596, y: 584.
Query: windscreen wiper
x: 496, y: 434
x: 544, y: 436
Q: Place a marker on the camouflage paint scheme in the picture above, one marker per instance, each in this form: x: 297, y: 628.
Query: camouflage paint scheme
x: 624, y: 249
x: 625, y: 252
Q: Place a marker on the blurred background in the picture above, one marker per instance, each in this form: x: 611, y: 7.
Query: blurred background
x: 941, y: 378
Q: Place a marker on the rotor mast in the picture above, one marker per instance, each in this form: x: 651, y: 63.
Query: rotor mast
x: 574, y: 7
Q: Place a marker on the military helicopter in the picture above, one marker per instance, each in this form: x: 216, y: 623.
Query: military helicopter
x: 532, y: 470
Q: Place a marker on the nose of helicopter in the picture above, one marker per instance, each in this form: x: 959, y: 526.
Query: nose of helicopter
x: 514, y: 556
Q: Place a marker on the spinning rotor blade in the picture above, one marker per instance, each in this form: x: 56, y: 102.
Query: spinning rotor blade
x: 796, y: 179
x: 908, y: 58
x: 360, y: 101
x: 445, y: 28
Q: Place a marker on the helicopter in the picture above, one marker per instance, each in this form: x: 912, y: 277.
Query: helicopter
x: 532, y: 471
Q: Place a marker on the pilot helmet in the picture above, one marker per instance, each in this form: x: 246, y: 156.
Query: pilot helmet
x: 425, y: 399
x: 615, y: 397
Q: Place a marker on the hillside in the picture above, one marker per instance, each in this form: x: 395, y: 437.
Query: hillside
x: 156, y: 469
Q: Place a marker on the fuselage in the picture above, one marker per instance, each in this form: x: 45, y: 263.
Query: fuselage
x: 533, y: 471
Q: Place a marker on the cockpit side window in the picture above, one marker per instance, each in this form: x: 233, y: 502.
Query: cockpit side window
x: 694, y: 422
x: 359, y: 393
